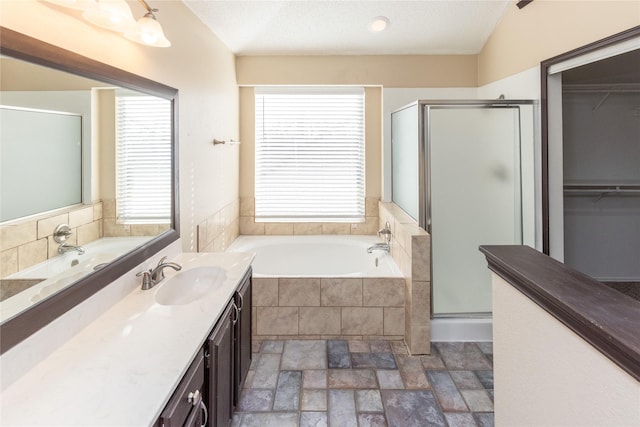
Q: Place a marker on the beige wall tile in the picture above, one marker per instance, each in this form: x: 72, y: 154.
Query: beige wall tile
x: 47, y: 225
x: 298, y: 292
x: 81, y: 217
x: 32, y: 253
x: 341, y: 292
x: 307, y: 228
x: 108, y: 208
x: 369, y: 227
x: 277, y: 321
x: 264, y: 292
x: 420, y: 304
x: 17, y: 234
x: 8, y: 262
x: 362, y: 321
x: 335, y: 228
x: 320, y: 320
x: 421, y: 258
x: 278, y: 228
x: 371, y: 206
x: 393, y: 321
x: 111, y: 229
x: 97, y: 211
x: 249, y: 227
x: 247, y: 206
x: 383, y: 292
x: 254, y: 321
x: 420, y: 339
x: 203, y: 241
x: 88, y: 233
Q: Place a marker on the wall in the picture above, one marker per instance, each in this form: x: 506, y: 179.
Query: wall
x: 197, y: 64
x: 546, y: 28
x: 546, y: 375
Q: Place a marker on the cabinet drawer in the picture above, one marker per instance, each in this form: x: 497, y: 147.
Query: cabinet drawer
x: 179, y: 407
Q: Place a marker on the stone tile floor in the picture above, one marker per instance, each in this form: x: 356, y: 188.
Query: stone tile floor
x: 367, y: 384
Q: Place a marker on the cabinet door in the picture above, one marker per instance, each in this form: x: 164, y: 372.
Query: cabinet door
x: 242, y: 335
x: 221, y: 370
x: 185, y: 401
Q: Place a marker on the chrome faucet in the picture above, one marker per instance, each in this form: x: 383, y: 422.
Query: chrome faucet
x: 60, y: 235
x: 386, y: 232
x: 156, y: 275
x: 66, y: 247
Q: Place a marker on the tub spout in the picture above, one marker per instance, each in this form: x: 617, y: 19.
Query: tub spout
x: 379, y: 247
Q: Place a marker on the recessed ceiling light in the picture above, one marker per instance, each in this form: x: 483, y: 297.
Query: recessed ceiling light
x: 378, y: 24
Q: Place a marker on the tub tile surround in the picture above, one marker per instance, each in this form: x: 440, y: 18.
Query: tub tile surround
x: 313, y: 308
x: 248, y: 225
x: 220, y: 229
x: 112, y: 228
x: 25, y: 243
x: 411, y: 249
x: 28, y: 242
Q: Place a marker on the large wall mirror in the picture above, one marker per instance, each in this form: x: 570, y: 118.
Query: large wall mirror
x: 86, y: 145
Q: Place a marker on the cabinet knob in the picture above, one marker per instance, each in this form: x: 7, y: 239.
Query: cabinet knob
x: 194, y: 398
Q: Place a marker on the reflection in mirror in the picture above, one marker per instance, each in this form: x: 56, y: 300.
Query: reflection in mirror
x: 80, y: 152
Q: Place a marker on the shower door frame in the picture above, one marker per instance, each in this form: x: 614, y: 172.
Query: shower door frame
x: 424, y: 170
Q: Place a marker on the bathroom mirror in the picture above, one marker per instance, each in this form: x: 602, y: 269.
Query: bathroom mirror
x: 46, y: 73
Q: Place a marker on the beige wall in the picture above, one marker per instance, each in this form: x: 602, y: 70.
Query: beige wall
x: 546, y: 28
x: 546, y: 375
x: 197, y: 64
x: 387, y: 71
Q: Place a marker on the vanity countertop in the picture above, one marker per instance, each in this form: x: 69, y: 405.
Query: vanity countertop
x: 122, y: 368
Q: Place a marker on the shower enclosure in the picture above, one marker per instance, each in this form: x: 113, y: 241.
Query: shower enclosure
x: 457, y: 170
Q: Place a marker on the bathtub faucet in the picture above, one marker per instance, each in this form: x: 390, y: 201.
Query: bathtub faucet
x: 386, y: 232
x: 379, y: 247
x: 66, y: 247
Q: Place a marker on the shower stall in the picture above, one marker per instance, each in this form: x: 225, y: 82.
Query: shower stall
x: 464, y: 171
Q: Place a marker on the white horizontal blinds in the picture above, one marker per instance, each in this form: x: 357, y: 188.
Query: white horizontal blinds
x: 143, y: 160
x: 309, y: 154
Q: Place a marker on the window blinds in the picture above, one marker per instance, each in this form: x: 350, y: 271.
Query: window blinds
x: 309, y: 164
x: 143, y: 160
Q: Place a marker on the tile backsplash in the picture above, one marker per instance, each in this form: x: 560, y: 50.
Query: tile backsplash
x: 29, y: 242
x: 24, y: 243
x: 220, y: 229
x: 249, y: 226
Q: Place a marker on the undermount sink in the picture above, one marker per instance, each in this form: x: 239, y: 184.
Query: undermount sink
x: 189, y: 285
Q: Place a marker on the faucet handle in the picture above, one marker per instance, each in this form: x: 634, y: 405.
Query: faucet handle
x: 147, y: 283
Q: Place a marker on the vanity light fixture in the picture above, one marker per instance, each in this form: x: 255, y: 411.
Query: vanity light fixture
x: 378, y: 24
x: 148, y: 30
x: 116, y: 15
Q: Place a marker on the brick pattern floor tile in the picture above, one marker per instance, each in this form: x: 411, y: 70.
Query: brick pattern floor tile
x: 375, y: 383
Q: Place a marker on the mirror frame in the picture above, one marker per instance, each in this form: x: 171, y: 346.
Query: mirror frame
x: 20, y: 46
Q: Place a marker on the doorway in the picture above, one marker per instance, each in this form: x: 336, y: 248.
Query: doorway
x: 591, y: 133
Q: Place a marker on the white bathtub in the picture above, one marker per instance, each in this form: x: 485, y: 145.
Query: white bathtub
x: 316, y: 256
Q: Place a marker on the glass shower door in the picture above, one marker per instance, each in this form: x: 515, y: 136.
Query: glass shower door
x: 475, y: 199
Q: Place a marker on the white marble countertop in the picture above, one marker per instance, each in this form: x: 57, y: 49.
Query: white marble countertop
x: 122, y: 368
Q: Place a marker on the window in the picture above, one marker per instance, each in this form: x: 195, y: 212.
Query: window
x: 309, y: 155
x: 143, y: 159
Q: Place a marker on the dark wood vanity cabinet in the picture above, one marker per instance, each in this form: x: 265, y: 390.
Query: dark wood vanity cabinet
x: 220, y: 368
x: 186, y: 407
x: 242, y: 336
x: 218, y: 371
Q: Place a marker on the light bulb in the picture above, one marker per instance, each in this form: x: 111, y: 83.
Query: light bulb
x: 148, y: 31
x: 378, y: 24
x: 113, y: 15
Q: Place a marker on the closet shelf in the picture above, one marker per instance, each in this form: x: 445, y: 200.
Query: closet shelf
x: 601, y: 190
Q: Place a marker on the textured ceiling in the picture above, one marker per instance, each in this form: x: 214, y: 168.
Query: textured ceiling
x: 330, y: 27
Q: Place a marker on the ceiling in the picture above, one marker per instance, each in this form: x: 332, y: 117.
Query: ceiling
x: 340, y: 27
